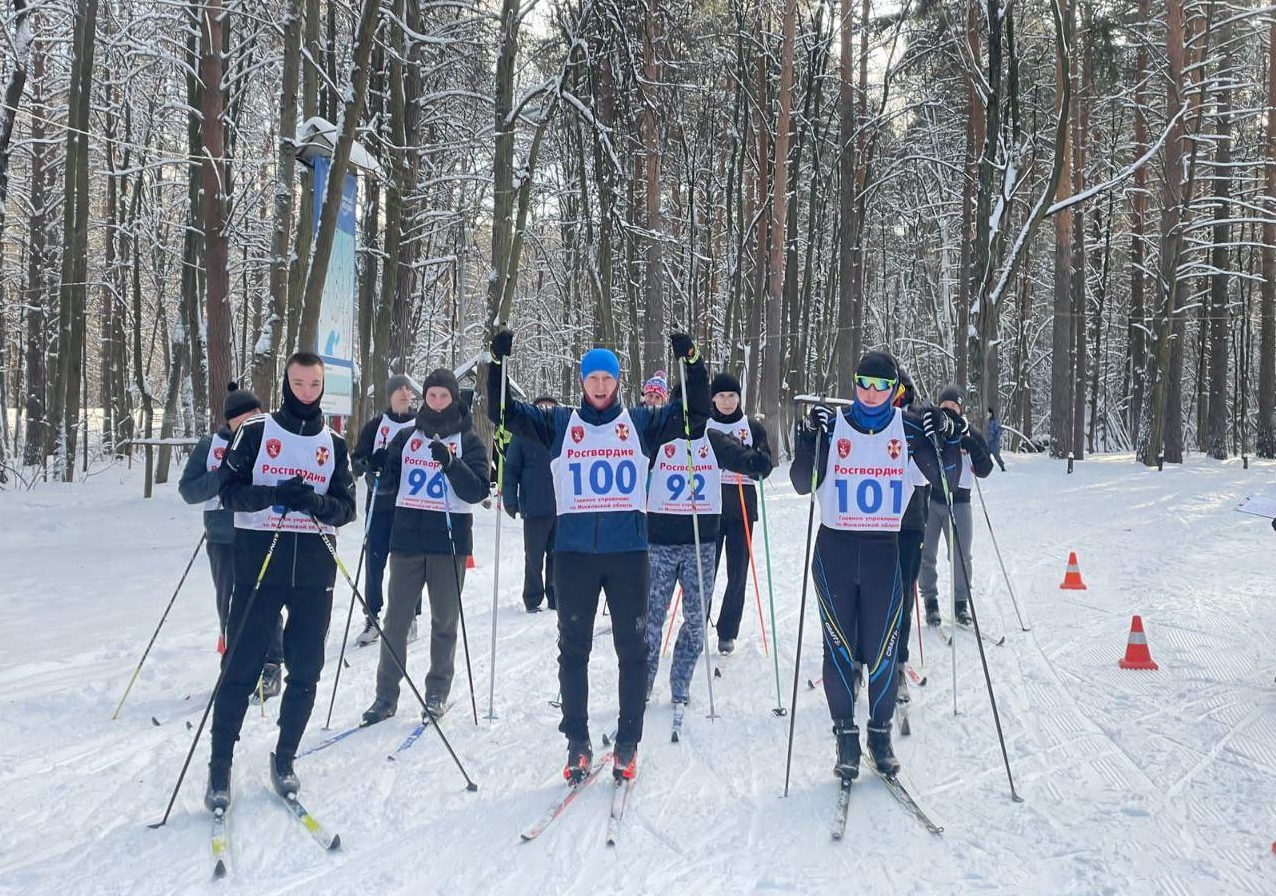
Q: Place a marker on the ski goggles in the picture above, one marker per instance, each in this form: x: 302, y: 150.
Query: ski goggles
x: 876, y: 383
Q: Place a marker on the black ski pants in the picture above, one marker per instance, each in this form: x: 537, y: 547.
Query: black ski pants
x: 309, y: 611
x: 857, y: 584
x: 910, y: 564
x: 732, y: 542
x: 578, y: 579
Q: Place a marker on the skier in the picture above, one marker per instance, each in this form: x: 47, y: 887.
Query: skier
x: 199, y: 484
x: 368, y: 461
x: 528, y: 489
x: 864, y: 483
x: 600, y: 468
x: 435, y: 472
x: 655, y: 392
x: 287, y: 477
x: 739, y: 506
x: 965, y: 457
x: 671, y: 504
x: 994, y: 438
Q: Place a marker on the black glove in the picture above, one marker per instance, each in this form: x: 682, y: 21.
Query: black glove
x: 936, y: 423
x: 960, y: 425
x: 502, y: 344
x: 296, y: 494
x: 821, y: 418
x: 759, y: 464
x: 683, y: 347
x: 512, y: 510
x: 441, y: 453
x: 376, y: 463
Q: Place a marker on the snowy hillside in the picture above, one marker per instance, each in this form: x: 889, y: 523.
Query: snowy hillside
x: 1134, y: 782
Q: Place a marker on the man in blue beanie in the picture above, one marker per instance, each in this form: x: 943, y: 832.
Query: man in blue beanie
x: 601, y: 452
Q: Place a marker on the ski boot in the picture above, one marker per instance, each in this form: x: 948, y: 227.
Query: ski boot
x: 282, y: 776
x: 624, y: 761
x: 369, y: 635
x: 379, y: 711
x: 962, y: 613
x: 272, y: 680
x: 436, y: 705
x: 902, y: 694
x: 580, y: 756
x: 726, y: 646
x: 848, y: 750
x: 217, y: 796
x: 933, y: 618
x: 879, y: 749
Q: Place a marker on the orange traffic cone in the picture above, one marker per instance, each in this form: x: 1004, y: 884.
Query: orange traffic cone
x: 1137, y: 655
x: 469, y: 562
x: 1072, y: 578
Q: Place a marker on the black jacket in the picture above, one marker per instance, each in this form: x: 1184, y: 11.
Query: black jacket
x: 601, y: 533
x: 426, y: 531
x: 528, y: 485
x: 732, y: 454
x: 920, y: 449
x: 731, y: 493
x: 300, y: 560
x: 199, y: 484
x: 972, y: 443
x: 361, y: 458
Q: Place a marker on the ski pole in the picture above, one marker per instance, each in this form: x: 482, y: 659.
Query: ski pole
x: 496, y: 569
x: 917, y: 609
x: 367, y: 530
x: 806, y: 577
x: 695, y: 531
x: 980, y: 489
x: 748, y: 543
x: 974, y: 618
x: 770, y: 594
x: 460, y: 605
x: 221, y: 675
x: 398, y: 660
x: 155, y: 634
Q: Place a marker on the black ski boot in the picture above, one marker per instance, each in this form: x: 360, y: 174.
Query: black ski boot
x: 436, y: 705
x: 879, y: 750
x: 217, y: 796
x: 379, y: 711
x: 272, y: 680
x: 282, y: 777
x: 580, y: 756
x: 932, y: 613
x: 962, y: 613
x: 624, y: 761
x: 848, y: 750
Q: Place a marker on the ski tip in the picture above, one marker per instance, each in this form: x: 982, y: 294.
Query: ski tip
x: 155, y: 721
x: 717, y: 672
x: 673, y: 738
x: 810, y: 684
x: 347, y: 662
x: 336, y: 842
x: 189, y: 726
x: 219, y: 870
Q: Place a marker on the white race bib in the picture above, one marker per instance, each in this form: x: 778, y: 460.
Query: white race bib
x: 967, y: 478
x: 422, y: 483
x: 742, y: 431
x: 600, y: 469
x: 282, y: 456
x: 387, y: 429
x: 216, y: 453
x: 867, y: 481
x: 670, y: 491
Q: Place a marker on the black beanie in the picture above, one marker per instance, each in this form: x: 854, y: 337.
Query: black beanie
x: 238, y: 402
x: 952, y: 392
x: 724, y: 382
x: 397, y: 382
x: 877, y: 364
x: 445, y: 378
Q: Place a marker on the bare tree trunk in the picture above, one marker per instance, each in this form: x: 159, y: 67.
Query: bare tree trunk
x: 266, y: 351
x: 214, y: 174
x: 312, y: 61
x: 351, y: 110
x: 1137, y: 331
x: 847, y: 340
x: 772, y: 360
x: 1266, y: 435
x: 1214, y: 439
x: 1061, y: 365
x: 653, y: 294
x: 38, y: 442
x: 1081, y: 137
x: 383, y: 363
x: 23, y: 38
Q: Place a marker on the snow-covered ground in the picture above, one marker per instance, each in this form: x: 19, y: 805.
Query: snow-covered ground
x: 1134, y: 782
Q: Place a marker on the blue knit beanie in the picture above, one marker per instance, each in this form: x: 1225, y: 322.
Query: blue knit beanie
x: 599, y: 359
